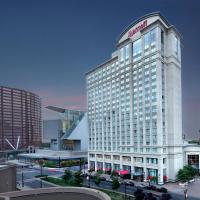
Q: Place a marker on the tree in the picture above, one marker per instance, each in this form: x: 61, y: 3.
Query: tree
x: 139, y: 195
x: 114, y: 174
x: 78, y: 180
x: 115, y: 184
x: 187, y: 173
x: 67, y: 175
x: 91, y: 170
x: 97, y: 179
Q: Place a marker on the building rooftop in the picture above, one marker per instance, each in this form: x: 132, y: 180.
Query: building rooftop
x: 61, y: 193
x: 54, y: 155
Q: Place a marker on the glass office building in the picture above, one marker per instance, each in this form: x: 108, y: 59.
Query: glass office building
x: 134, y: 102
x: 20, y: 119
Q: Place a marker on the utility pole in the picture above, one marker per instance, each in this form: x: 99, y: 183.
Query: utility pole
x: 22, y: 177
x: 125, y: 190
x: 80, y: 164
x: 59, y: 161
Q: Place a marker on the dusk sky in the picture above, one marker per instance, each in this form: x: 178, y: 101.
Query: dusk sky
x: 47, y: 46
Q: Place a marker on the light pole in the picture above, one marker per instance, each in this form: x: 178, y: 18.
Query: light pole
x: 185, y: 193
x: 22, y: 177
x: 41, y: 163
x: 185, y: 189
x: 80, y: 164
x: 88, y: 179
x: 125, y: 190
x: 59, y: 161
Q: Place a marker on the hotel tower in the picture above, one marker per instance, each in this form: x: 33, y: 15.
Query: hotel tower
x: 134, y: 103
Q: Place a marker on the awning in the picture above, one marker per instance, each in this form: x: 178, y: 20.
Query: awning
x: 124, y: 172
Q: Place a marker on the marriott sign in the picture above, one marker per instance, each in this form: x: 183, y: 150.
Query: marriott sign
x: 132, y: 32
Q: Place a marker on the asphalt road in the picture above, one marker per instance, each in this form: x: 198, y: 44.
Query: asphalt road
x: 29, y: 179
x: 131, y: 189
x: 32, y: 182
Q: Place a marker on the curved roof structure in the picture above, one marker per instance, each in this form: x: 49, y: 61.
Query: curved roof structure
x: 141, y: 19
x: 61, y: 193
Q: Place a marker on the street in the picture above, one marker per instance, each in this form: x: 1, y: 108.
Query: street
x: 30, y: 181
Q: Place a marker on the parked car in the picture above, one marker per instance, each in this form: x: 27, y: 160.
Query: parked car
x: 130, y: 183
x: 149, y: 196
x: 109, y: 180
x: 141, y: 186
x: 103, y: 178
x: 84, y: 175
x: 165, y: 196
x: 164, y: 190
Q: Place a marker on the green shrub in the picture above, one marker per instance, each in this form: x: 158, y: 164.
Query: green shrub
x: 115, y: 184
x: 50, y: 164
x: 67, y: 175
x: 114, y: 174
x: 99, y: 171
x: 78, y: 180
x: 186, y: 174
x: 97, y: 179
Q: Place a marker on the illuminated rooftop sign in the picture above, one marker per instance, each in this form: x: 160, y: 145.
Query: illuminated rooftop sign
x: 132, y: 32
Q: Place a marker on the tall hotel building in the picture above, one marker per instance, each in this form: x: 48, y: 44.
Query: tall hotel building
x: 134, y: 102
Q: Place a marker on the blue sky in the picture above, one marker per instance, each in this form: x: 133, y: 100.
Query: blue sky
x: 46, y: 46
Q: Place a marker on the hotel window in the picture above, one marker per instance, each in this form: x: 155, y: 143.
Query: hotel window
x: 153, y: 37
x: 146, y: 41
x: 122, y: 56
x: 193, y: 160
x: 137, y: 48
x: 162, y: 42
x: 126, y: 52
x: 176, y: 45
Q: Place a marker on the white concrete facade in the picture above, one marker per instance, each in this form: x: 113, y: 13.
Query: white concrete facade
x: 134, y: 103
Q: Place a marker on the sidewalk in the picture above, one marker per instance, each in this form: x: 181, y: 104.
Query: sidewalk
x: 19, y: 186
x: 193, y: 188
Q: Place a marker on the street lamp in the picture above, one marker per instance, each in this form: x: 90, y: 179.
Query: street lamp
x: 125, y: 190
x: 88, y: 179
x: 22, y: 177
x: 80, y: 164
x: 185, y: 193
x: 89, y: 176
x: 185, y: 189
x: 59, y: 161
x: 41, y: 163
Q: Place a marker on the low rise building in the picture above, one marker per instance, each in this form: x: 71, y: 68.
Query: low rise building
x: 191, y: 155
x: 8, y: 177
x: 68, y: 132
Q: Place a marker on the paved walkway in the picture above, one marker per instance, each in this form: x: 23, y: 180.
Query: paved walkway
x: 193, y: 188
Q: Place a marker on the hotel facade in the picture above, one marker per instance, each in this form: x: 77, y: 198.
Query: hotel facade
x: 134, y: 103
